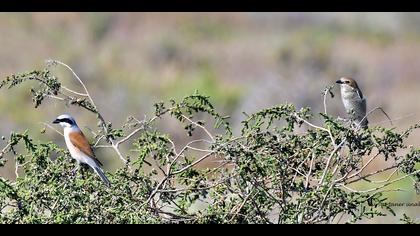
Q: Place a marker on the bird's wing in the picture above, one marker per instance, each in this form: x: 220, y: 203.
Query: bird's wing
x: 359, y: 93
x: 79, y: 140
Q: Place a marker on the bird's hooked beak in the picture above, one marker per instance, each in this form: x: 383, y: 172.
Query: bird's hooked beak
x: 56, y: 121
x: 339, y: 82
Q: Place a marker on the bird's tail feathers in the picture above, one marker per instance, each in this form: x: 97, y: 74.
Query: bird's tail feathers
x: 101, y: 174
x: 362, y: 123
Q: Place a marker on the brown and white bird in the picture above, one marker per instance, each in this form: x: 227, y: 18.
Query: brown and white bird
x: 353, y: 100
x: 79, y: 146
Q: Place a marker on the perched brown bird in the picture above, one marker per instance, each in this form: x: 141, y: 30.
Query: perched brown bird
x: 79, y: 146
x: 353, y: 100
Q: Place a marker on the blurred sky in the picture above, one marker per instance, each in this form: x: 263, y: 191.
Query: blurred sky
x: 244, y: 61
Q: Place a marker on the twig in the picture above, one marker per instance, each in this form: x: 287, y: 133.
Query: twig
x: 202, y: 127
x: 56, y: 97
x: 169, y: 174
x: 4, y: 150
x: 97, y: 141
x: 382, y: 186
x: 310, y: 124
x: 310, y: 171
x: 329, y: 160
x: 326, y: 91
x: 129, y: 136
x: 322, y: 203
x: 399, y: 118
x: 383, y: 181
x: 198, y: 149
x: 16, y: 168
x: 103, y: 146
x: 74, y: 92
x: 177, y: 155
x: 49, y: 126
x: 242, y: 204
x: 370, y: 112
x: 371, y: 174
x: 155, y: 190
x: 195, y: 189
x: 364, y: 166
x: 338, y: 165
x: 194, y: 163
x: 80, y: 81
x: 317, y: 127
x: 119, y: 154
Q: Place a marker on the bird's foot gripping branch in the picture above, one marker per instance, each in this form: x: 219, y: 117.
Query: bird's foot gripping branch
x: 268, y: 173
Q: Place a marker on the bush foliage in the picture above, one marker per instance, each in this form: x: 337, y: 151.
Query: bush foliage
x: 280, y: 168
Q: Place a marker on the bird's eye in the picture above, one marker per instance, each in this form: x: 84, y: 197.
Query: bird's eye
x: 346, y: 82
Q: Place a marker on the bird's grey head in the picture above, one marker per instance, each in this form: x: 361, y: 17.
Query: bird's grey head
x: 347, y: 82
x: 349, y: 87
x: 65, y: 120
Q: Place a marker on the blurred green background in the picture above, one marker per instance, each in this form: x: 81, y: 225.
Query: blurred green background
x: 244, y: 61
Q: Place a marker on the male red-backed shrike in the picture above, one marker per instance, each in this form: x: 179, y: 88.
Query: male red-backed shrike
x: 79, y: 146
x: 353, y: 101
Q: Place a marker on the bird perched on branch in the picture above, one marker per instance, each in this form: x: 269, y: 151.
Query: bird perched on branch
x: 353, y: 100
x: 79, y: 146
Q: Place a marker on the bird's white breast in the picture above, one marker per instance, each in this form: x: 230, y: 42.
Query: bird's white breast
x: 74, y: 152
x: 352, y: 102
x: 350, y: 98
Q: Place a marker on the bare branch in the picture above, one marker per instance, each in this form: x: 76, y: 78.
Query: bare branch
x: 371, y: 174
x: 129, y: 136
x: 361, y: 169
x: 399, y: 118
x: 78, y: 79
x: 327, y: 91
x: 56, y: 97
x: 194, y: 163
x: 202, y: 127
x: 382, y: 186
x: 310, y: 171
x: 329, y: 160
x: 74, y: 92
x: 370, y: 112
x: 317, y: 127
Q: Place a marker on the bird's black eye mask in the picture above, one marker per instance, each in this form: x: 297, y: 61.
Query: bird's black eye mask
x: 65, y: 120
x: 342, y: 82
